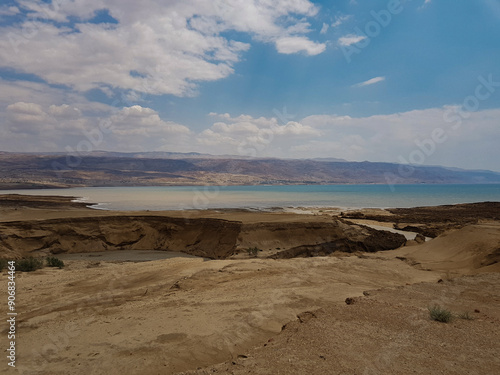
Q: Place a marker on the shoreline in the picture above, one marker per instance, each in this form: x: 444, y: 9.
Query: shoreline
x: 296, y: 198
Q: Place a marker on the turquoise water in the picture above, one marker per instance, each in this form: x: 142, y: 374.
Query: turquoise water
x: 265, y: 197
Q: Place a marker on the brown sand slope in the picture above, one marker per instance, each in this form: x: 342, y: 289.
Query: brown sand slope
x: 178, y: 314
x: 472, y: 249
x: 387, y: 332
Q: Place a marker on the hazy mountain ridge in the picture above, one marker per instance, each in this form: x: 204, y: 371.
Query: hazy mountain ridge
x: 138, y: 169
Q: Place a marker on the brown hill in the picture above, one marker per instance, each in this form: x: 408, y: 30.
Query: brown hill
x: 103, y: 169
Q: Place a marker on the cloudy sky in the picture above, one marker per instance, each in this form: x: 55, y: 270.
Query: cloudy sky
x: 399, y: 81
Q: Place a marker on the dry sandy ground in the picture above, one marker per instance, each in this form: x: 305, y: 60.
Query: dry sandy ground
x: 226, y: 316
x: 178, y: 314
x: 387, y: 332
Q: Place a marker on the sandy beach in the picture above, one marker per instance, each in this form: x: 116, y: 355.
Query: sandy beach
x: 279, y: 310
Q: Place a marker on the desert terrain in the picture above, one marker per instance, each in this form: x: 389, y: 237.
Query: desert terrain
x: 321, y: 293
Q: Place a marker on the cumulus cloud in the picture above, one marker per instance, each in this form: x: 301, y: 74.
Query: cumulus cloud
x: 29, y: 122
x: 45, y: 96
x: 33, y: 127
x: 386, y: 138
x: 392, y: 137
x: 30, y: 126
x: 155, y: 48
x: 245, y: 135
x: 30, y: 109
x: 369, y: 82
x: 350, y: 39
x: 22, y: 116
x: 137, y: 120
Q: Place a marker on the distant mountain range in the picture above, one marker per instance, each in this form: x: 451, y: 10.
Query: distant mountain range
x: 101, y: 168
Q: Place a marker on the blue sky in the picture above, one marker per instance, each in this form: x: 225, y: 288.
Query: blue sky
x: 360, y: 80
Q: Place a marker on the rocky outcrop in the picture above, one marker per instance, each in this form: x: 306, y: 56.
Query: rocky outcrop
x: 211, y: 238
x: 374, y: 241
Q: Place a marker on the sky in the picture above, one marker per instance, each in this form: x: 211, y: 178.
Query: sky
x: 405, y: 81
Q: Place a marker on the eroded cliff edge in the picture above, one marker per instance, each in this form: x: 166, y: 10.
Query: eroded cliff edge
x: 205, y: 237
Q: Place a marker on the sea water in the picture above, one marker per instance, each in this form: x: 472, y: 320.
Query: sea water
x: 267, y: 197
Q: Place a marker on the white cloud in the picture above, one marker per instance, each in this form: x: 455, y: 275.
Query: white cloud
x: 339, y: 20
x: 296, y: 129
x: 245, y: 135
x: 171, y: 45
x: 26, y: 118
x: 64, y: 111
x: 33, y: 120
x: 23, y: 108
x: 9, y: 10
x: 383, y: 138
x: 44, y: 10
x: 370, y: 82
x: 47, y: 97
x: 146, y: 121
x: 33, y: 127
x: 473, y: 143
x: 296, y: 44
x: 324, y: 28
x: 350, y: 39
x: 386, y: 138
